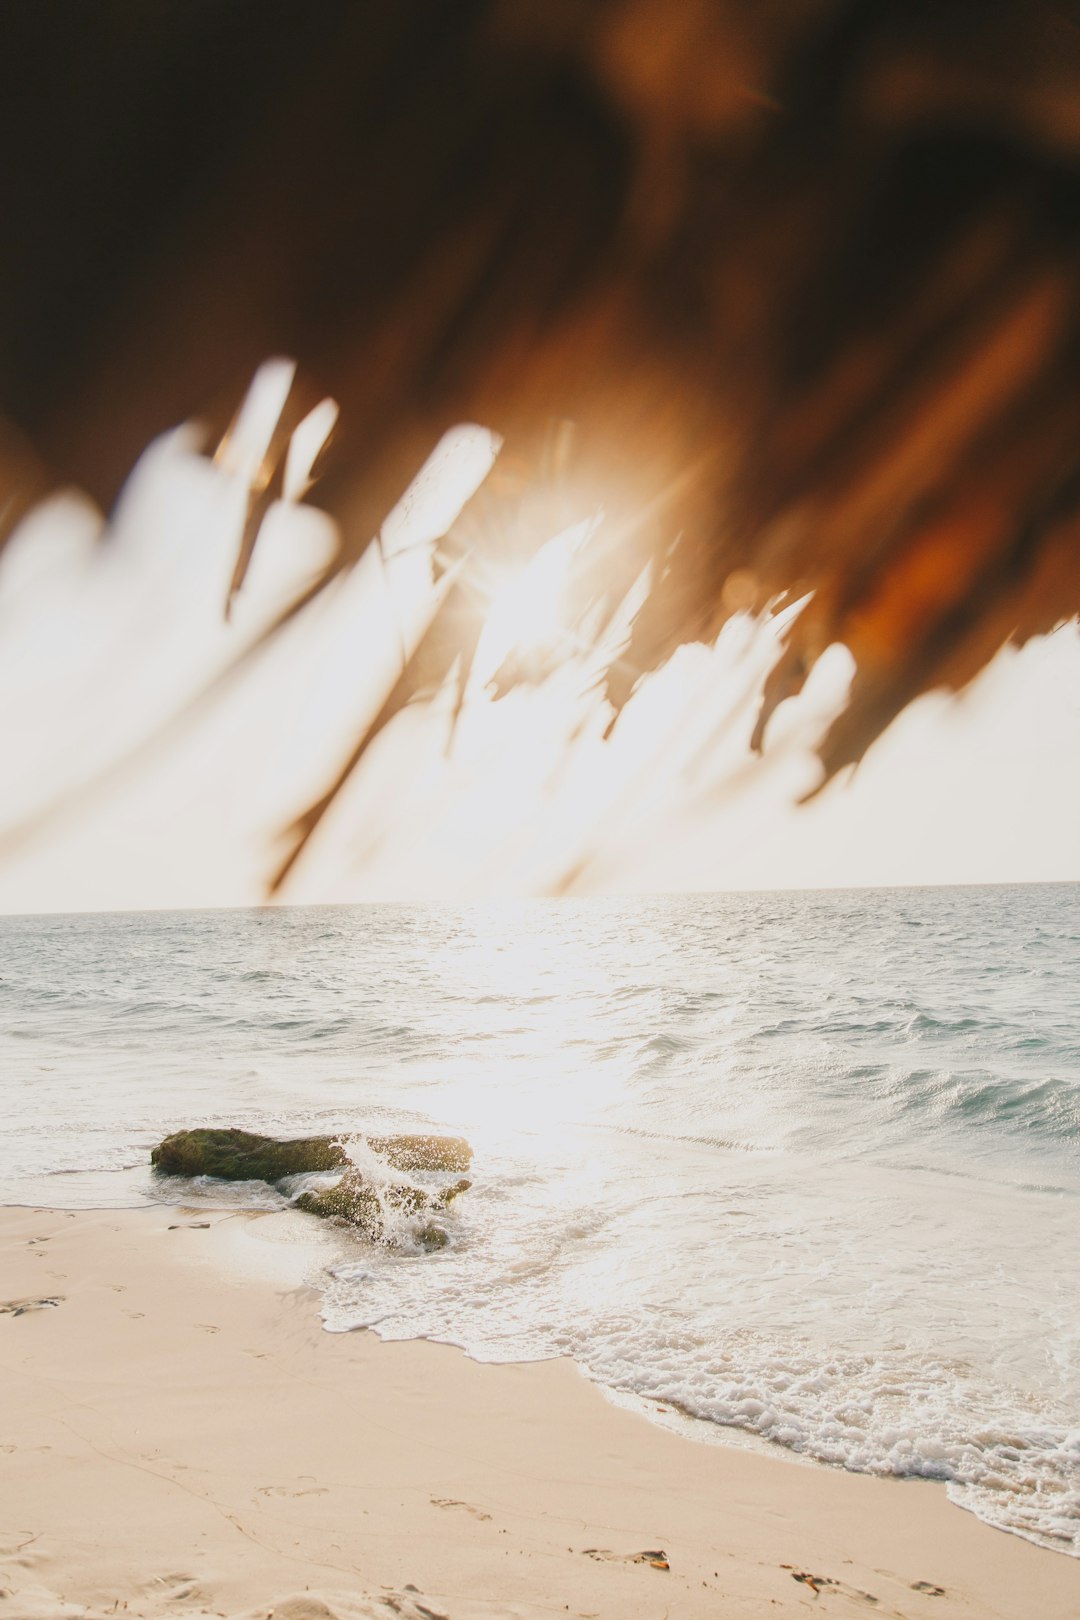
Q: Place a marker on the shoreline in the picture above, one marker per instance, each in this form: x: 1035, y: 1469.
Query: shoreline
x: 179, y: 1436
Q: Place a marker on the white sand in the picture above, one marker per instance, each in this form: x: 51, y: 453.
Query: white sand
x: 179, y: 1437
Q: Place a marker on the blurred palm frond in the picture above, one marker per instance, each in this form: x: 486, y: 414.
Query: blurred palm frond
x: 790, y: 290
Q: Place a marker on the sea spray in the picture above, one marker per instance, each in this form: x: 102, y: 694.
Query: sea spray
x: 401, y: 1207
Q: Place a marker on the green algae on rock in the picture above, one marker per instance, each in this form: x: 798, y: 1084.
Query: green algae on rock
x: 235, y: 1155
x: 354, y: 1199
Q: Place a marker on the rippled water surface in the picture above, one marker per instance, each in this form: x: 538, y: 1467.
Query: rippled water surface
x: 806, y: 1165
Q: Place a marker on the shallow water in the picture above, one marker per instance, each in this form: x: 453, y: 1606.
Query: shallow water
x: 807, y: 1165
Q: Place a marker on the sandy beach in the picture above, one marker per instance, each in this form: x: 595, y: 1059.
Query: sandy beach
x: 180, y: 1437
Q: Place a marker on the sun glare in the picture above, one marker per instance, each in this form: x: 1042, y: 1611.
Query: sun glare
x: 529, y: 610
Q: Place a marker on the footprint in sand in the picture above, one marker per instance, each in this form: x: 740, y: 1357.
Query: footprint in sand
x: 928, y: 1588
x: 657, y: 1558
x: 208, y: 1327
x: 823, y: 1583
x: 287, y: 1490
x: 466, y: 1507
x: 19, y: 1307
x: 304, y: 1608
x: 407, y: 1602
x: 13, y: 1542
x: 173, y: 1588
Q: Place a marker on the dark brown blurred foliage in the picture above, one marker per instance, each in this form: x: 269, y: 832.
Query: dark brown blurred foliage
x: 792, y: 287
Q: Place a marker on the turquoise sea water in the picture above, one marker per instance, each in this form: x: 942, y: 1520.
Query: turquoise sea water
x: 802, y: 1165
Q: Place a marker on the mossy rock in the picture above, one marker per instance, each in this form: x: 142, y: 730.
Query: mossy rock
x: 354, y: 1201
x: 234, y: 1155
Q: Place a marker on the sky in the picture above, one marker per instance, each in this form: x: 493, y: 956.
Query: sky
x: 106, y: 803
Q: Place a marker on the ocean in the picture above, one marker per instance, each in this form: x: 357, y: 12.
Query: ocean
x: 803, y: 1167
